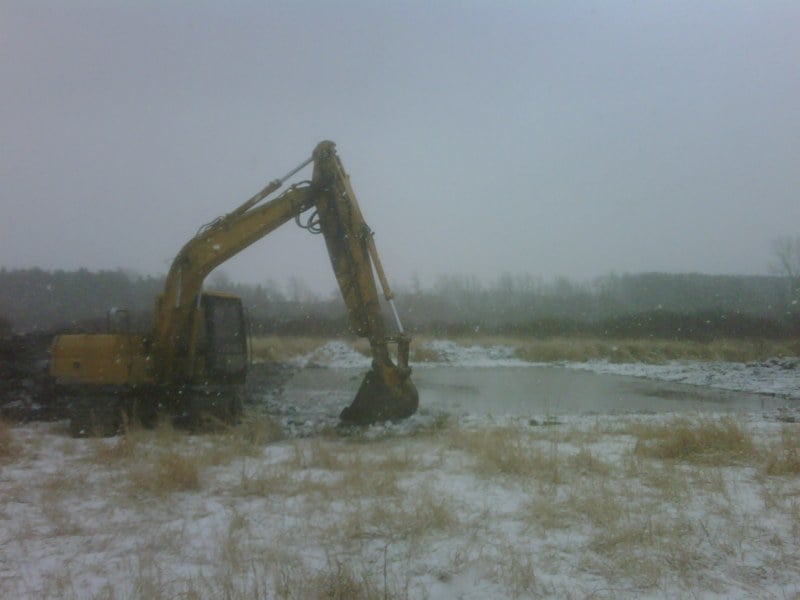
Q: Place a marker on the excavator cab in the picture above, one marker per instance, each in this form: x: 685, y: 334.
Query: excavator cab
x: 225, y: 344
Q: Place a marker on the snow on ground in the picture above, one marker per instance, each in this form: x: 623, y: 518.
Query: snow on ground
x: 439, y: 506
x: 779, y: 377
x: 334, y: 355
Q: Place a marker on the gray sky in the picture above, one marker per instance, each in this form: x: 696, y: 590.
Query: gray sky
x: 550, y: 138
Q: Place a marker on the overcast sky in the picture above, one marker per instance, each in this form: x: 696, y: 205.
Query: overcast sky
x: 550, y: 138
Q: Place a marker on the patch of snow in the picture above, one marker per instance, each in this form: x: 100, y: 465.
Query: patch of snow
x: 334, y: 355
x: 76, y: 526
x: 774, y: 377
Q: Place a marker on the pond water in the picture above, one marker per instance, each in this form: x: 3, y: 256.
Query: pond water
x: 530, y: 390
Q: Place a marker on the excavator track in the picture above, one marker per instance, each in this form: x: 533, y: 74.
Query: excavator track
x: 107, y: 413
x: 95, y: 415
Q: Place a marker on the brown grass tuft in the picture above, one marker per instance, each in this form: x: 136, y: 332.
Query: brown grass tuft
x: 783, y: 457
x: 273, y: 348
x: 577, y: 349
x: 280, y: 349
x: 340, y: 580
x: 586, y: 463
x: 708, y: 441
x: 160, y: 460
x: 134, y: 442
x: 505, y: 451
x: 580, y: 349
x: 247, y: 439
x: 409, y: 517
x: 171, y: 471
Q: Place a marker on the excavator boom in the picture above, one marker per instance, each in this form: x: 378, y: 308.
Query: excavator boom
x: 386, y: 392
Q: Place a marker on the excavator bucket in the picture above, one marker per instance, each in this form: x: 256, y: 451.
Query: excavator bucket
x: 386, y: 394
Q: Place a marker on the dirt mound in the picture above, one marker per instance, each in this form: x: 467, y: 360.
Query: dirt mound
x: 26, y: 390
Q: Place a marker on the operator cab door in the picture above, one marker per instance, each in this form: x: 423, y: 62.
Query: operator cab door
x: 226, y: 338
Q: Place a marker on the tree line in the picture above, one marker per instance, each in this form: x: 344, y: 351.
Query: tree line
x: 691, y: 306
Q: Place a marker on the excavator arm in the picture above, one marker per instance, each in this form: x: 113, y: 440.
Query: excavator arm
x: 387, y: 391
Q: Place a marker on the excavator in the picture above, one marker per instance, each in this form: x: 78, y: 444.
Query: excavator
x: 194, y: 360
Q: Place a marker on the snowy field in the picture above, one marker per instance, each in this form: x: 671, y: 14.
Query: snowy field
x: 440, y: 506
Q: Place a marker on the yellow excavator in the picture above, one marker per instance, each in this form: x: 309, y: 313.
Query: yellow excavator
x: 193, y: 362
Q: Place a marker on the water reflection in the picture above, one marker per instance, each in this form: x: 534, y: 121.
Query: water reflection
x: 526, y: 391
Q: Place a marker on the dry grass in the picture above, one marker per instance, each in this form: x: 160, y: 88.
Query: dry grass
x: 664, y: 480
x: 586, y: 463
x: 506, y: 451
x: 409, y: 518
x: 420, y: 353
x: 515, y: 571
x: 783, y: 456
x: 321, y: 470
x: 573, y: 349
x: 165, y: 472
x: 339, y: 580
x: 547, y: 511
x: 162, y: 460
x: 709, y: 441
x: 247, y: 439
x: 273, y: 348
x: 599, y: 501
x: 61, y: 520
x: 633, y: 507
x: 218, y: 447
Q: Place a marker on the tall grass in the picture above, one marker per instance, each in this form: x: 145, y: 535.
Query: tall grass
x: 164, y: 460
x: 708, y: 441
x: 273, y: 348
x: 630, y: 506
x: 505, y: 451
x: 783, y: 456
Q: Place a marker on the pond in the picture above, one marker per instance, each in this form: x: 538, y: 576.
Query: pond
x: 522, y: 391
